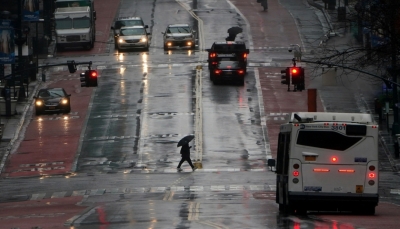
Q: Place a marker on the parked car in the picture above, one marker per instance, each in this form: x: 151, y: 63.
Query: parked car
x: 52, y: 100
x: 126, y: 22
x: 179, y: 35
x: 227, y: 70
x: 133, y: 37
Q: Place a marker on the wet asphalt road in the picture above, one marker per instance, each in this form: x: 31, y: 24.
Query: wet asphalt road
x: 144, y: 104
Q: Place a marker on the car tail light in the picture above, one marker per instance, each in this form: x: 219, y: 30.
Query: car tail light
x: 245, y: 55
x: 217, y: 71
x: 213, y: 54
x: 240, y: 72
x: 214, y: 63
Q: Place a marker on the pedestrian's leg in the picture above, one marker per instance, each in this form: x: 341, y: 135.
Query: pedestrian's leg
x: 190, y: 162
x: 180, y: 163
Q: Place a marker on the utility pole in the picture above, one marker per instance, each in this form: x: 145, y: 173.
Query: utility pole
x: 395, y: 126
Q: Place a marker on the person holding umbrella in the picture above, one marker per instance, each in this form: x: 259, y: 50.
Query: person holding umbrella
x: 233, y: 31
x: 185, y: 152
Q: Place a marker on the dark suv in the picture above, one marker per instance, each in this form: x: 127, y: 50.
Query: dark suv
x: 218, y: 50
x: 126, y: 22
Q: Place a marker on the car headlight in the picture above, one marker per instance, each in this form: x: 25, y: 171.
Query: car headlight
x: 121, y: 40
x: 64, y: 101
x: 39, y: 103
x: 143, y: 39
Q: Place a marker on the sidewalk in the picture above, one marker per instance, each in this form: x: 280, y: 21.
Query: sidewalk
x: 386, y: 139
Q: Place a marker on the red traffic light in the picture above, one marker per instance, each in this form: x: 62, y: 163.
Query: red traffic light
x: 294, y: 70
x: 93, y: 73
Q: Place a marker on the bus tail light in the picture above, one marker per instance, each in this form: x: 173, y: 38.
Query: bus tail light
x: 296, y: 166
x: 334, y: 159
x: 346, y: 171
x: 321, y: 170
x: 371, y: 168
x: 296, y: 173
x: 371, y: 175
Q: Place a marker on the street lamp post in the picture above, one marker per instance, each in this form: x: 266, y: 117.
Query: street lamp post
x: 297, y: 51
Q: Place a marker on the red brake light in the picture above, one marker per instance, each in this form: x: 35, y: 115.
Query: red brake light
x: 371, y: 175
x: 334, y: 159
x: 241, y: 72
x: 217, y: 71
x: 213, y: 54
x: 346, y: 171
x: 244, y: 55
x: 296, y: 173
x: 229, y: 66
x: 321, y: 170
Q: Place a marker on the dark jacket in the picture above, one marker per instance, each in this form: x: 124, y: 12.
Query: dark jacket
x: 185, y: 150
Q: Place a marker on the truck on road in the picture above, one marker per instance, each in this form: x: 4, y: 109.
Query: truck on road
x: 75, y: 27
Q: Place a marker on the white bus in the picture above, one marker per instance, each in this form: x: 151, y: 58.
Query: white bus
x: 327, y: 162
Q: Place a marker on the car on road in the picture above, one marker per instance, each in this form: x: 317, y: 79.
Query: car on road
x: 179, y: 35
x: 126, y: 22
x: 228, y: 70
x: 133, y: 37
x: 52, y: 100
x: 221, y: 48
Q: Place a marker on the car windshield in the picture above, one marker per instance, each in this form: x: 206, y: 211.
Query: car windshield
x: 132, y: 32
x: 81, y: 23
x: 51, y: 93
x: 64, y: 23
x: 184, y: 29
x: 228, y: 64
x: 127, y: 23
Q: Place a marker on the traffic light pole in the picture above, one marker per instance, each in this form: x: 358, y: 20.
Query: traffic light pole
x: 46, y: 66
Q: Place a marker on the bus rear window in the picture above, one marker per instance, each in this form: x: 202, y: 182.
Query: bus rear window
x: 359, y: 130
x: 326, y: 140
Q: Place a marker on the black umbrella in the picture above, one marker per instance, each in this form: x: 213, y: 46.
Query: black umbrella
x: 185, y: 140
x: 235, y: 30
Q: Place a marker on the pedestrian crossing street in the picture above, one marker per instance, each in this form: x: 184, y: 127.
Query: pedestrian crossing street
x: 167, y: 190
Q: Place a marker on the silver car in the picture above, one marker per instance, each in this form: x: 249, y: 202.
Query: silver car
x: 132, y: 37
x: 179, y: 35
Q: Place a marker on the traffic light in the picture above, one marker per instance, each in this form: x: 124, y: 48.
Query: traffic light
x: 92, y: 78
x: 89, y: 78
x: 295, y: 72
x: 285, y: 76
x: 298, y: 78
x: 71, y: 66
x: 83, y: 79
